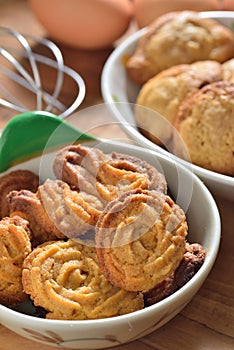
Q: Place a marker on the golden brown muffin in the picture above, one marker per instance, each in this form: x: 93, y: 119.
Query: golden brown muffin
x: 228, y: 71
x: 206, y: 124
x: 165, y: 92
x: 192, y: 261
x: 14, y: 247
x: 105, y: 176
x: 16, y: 180
x: 140, y: 239
x: 65, y: 279
x: 177, y: 38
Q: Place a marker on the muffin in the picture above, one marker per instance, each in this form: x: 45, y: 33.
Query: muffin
x: 228, y: 70
x: 177, y: 38
x: 206, y: 124
x: 159, y: 99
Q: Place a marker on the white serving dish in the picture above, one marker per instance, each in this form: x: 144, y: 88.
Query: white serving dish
x: 119, y: 93
x: 204, y: 227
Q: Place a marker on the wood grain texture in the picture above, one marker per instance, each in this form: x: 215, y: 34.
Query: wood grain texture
x: 208, y: 321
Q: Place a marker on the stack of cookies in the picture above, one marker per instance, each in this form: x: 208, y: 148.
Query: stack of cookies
x: 101, y: 239
x: 185, y: 66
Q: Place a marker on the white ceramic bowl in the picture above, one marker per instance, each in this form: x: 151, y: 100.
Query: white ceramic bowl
x: 204, y: 227
x: 119, y: 93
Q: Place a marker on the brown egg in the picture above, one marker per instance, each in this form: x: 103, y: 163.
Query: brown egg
x: 145, y: 11
x: 88, y: 24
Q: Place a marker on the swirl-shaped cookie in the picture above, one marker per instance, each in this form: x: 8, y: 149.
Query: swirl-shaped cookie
x: 55, y: 211
x: 72, y: 212
x: 65, y: 279
x: 16, y: 180
x: 140, y: 239
x: 14, y: 247
x: 193, y: 259
x: 177, y: 38
x: 105, y: 176
x: 29, y: 206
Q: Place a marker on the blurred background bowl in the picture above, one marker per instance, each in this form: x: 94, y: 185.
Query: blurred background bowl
x: 119, y: 93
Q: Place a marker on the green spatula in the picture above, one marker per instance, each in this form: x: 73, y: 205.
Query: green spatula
x: 26, y: 135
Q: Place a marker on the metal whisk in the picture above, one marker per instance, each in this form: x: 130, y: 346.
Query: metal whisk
x: 12, y: 68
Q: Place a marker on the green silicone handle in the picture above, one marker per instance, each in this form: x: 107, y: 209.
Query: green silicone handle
x: 26, y: 136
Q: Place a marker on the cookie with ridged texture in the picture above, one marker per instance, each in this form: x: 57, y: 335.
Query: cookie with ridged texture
x: 155, y: 179
x: 192, y: 261
x: 55, y: 211
x: 140, y: 239
x: 29, y: 206
x: 72, y: 212
x: 15, y: 181
x: 206, y: 124
x: 65, y: 279
x: 177, y: 38
x: 159, y: 98
x: 15, y: 245
x: 105, y: 176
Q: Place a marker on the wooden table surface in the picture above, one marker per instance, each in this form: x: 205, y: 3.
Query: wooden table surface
x: 207, y: 323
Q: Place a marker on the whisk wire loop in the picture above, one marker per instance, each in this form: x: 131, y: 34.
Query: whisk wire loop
x: 33, y: 82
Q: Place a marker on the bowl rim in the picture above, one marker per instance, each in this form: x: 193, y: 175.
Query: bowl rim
x: 194, y: 283
x: 132, y: 131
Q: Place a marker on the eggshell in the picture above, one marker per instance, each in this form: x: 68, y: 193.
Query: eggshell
x: 145, y: 11
x: 226, y: 5
x: 88, y: 24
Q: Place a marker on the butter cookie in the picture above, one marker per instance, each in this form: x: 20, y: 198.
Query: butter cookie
x: 16, y: 180
x: 15, y: 245
x: 105, y: 176
x: 73, y: 213
x: 65, y: 279
x: 28, y: 205
x: 140, y: 239
x: 192, y: 261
